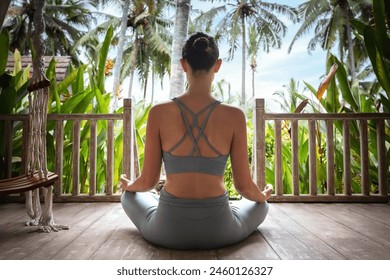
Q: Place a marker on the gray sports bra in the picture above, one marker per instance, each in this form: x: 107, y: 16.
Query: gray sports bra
x: 194, y: 162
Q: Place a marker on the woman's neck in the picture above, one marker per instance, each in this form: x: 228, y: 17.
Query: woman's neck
x: 199, y: 87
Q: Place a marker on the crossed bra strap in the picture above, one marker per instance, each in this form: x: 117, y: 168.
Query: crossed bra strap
x: 195, y: 124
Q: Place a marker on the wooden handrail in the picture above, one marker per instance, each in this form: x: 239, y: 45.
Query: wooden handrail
x: 311, y: 120
x: 76, y: 120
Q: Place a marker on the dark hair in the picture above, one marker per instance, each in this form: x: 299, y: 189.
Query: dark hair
x: 200, y: 51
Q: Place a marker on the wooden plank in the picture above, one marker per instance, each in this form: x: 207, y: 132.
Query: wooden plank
x: 92, y: 158
x: 11, y: 212
x: 25, y: 183
x: 24, y: 240
x: 80, y: 217
x: 93, y: 237
x: 278, y: 158
x: 326, y: 116
x: 364, y: 161
x: 330, y: 165
x: 330, y: 198
x: 82, y: 117
x: 347, y: 159
x: 255, y: 247
x: 125, y: 243
x: 88, y: 198
x: 367, y: 227
x: 376, y: 212
x: 76, y: 158
x: 294, y: 153
x: 312, y: 158
x: 286, y: 245
x: 346, y: 241
x: 319, y: 247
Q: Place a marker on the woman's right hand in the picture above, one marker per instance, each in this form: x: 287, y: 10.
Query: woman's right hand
x: 268, y: 191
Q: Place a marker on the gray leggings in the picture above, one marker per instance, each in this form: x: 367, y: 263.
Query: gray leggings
x: 179, y: 223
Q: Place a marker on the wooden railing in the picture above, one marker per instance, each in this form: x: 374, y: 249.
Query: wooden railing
x: 128, y: 159
x: 262, y: 119
x: 312, y: 120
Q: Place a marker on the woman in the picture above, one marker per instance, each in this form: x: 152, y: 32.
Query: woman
x: 194, y: 135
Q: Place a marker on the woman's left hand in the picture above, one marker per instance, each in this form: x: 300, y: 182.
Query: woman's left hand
x: 125, y: 183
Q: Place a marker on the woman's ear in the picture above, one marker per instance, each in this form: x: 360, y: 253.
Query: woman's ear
x: 217, y: 65
x: 183, y: 64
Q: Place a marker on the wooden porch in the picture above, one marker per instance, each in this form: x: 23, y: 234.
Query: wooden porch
x: 101, y: 231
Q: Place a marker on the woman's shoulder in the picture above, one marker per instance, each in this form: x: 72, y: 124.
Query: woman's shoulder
x: 162, y: 111
x: 231, y: 111
x: 161, y: 107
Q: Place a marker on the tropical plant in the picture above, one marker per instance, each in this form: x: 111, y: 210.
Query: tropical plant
x: 238, y: 16
x: 65, y: 21
x: 331, y: 22
x: 13, y: 90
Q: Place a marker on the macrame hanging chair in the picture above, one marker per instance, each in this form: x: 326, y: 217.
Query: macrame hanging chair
x: 38, y: 102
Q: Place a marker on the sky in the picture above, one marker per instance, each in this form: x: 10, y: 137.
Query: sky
x: 274, y: 70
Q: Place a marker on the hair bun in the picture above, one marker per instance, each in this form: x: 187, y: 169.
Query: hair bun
x: 201, y: 44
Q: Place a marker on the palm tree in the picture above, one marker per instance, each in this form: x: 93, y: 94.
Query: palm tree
x: 253, y: 49
x: 65, y: 21
x: 179, y: 37
x: 149, y: 36
x: 331, y: 22
x: 238, y: 15
x: 143, y: 49
x: 3, y: 10
x: 119, y: 54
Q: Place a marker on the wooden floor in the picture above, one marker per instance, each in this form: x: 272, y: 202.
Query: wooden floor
x: 291, y: 231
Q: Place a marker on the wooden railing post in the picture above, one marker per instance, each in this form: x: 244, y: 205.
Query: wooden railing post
x: 260, y: 143
x: 295, y: 161
x: 92, y: 157
x: 382, y: 162
x: 312, y: 158
x: 278, y: 158
x: 364, y: 161
x: 59, y: 135
x: 347, y: 159
x: 8, y: 148
x: 110, y: 158
x: 127, y: 139
x: 330, y: 158
x: 76, y: 158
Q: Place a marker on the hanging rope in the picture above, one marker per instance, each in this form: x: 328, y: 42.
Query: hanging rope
x: 38, y: 98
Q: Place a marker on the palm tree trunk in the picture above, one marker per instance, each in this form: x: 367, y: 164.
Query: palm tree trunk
x: 351, y: 52
x: 351, y: 57
x: 243, y: 95
x: 4, y: 4
x: 119, y: 55
x: 253, y: 84
x: 152, y: 97
x: 134, y: 61
x: 179, y: 37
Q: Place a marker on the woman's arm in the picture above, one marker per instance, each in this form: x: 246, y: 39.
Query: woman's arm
x: 242, y: 178
x: 152, y: 161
